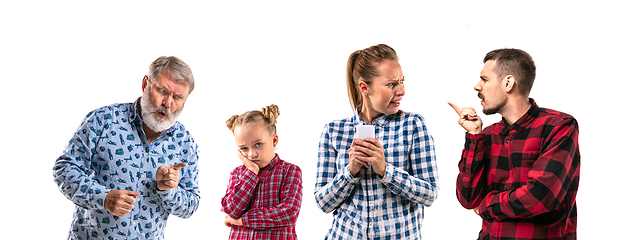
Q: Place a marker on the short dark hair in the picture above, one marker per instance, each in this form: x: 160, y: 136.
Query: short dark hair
x: 515, y: 62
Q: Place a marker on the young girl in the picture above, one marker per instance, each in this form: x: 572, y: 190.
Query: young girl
x: 264, y: 194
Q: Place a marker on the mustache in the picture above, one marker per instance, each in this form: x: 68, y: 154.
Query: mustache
x: 164, y: 109
x: 480, y: 96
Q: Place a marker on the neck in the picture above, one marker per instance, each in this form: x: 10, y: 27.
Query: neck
x: 149, y: 133
x: 514, y: 110
x: 368, y: 115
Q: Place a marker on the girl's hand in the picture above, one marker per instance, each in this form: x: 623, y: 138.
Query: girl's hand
x: 249, y: 164
x: 371, y: 151
x: 231, y: 222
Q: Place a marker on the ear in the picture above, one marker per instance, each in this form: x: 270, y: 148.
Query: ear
x: 509, y: 83
x: 363, y: 87
x: 144, y: 82
x: 275, y: 140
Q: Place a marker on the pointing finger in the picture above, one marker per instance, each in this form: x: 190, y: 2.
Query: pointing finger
x: 456, y: 108
x: 179, y: 165
x: 132, y: 193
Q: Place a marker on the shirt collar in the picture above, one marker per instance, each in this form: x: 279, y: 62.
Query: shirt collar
x: 381, y: 121
x: 134, y: 116
x: 273, y: 162
x: 522, y: 122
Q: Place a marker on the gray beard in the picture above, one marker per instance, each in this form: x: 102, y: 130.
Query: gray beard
x: 151, y: 120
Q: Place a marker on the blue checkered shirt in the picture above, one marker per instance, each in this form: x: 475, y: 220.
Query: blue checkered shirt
x: 369, y: 206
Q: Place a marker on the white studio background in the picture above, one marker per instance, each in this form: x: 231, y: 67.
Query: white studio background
x: 61, y: 59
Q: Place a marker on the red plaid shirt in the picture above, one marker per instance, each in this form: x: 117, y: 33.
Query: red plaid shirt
x: 523, y: 177
x: 268, y: 204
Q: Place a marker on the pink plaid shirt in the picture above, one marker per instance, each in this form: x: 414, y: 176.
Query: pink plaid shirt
x: 268, y: 204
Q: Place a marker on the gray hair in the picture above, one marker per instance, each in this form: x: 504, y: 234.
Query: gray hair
x: 178, y: 70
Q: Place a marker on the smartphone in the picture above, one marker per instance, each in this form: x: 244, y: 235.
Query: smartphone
x: 364, y: 131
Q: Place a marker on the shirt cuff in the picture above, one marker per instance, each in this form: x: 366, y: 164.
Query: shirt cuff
x: 346, y: 175
x: 167, y: 195
x: 472, y: 140
x: 100, y: 196
x: 247, y: 174
x: 389, y: 173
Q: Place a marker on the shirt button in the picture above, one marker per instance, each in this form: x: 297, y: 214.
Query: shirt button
x: 493, y: 236
x: 507, y: 141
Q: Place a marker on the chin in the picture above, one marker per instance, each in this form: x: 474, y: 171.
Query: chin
x: 393, y: 111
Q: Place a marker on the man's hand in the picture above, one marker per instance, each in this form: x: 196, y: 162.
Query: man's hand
x: 370, y: 151
x: 120, y: 202
x: 168, y: 177
x: 469, y: 119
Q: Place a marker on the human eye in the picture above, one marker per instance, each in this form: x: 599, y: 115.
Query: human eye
x: 243, y: 149
x: 162, y: 91
x: 258, y: 144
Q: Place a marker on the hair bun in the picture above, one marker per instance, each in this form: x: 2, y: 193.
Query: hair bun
x: 270, y: 113
x: 231, y: 121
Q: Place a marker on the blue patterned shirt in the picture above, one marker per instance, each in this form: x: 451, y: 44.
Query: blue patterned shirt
x: 369, y: 206
x: 109, y: 151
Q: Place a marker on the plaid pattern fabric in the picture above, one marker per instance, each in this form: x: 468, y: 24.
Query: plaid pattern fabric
x: 268, y: 204
x: 370, y: 206
x: 524, y: 177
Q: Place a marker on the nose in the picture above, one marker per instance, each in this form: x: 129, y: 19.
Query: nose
x: 252, y: 154
x: 478, y: 86
x: 167, y: 101
x: 401, y: 91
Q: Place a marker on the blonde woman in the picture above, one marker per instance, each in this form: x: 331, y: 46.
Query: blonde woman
x: 377, y: 187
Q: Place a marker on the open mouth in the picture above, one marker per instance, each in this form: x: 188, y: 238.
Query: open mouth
x: 162, y: 114
x: 395, y: 103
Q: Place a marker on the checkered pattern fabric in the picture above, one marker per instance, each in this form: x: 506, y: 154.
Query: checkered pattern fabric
x: 268, y: 204
x: 370, y: 206
x: 524, y: 177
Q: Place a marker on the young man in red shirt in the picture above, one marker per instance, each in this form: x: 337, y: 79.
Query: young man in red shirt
x: 520, y: 174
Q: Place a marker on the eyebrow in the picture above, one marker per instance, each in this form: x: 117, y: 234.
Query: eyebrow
x: 167, y: 90
x: 255, y: 141
x: 395, y: 80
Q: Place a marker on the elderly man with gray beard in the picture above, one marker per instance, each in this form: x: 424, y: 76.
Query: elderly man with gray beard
x: 130, y: 165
